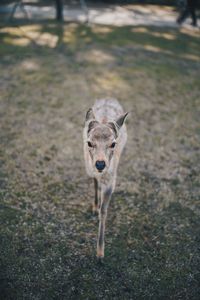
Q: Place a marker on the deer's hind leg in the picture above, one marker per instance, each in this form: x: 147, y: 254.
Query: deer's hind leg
x: 96, y: 203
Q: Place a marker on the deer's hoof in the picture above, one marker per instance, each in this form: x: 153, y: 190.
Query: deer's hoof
x: 100, y: 260
x: 100, y: 253
x: 95, y: 210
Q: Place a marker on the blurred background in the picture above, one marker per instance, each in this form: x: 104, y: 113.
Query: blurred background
x: 56, y: 58
x: 94, y: 10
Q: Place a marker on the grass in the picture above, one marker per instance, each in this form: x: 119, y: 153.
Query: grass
x: 50, y: 75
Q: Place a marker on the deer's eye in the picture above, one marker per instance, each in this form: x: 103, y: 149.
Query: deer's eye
x: 113, y: 145
x: 89, y: 144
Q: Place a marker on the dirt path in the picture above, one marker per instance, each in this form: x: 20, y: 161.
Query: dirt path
x: 116, y: 15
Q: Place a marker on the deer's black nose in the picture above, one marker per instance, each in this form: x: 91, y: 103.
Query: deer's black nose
x: 100, y: 165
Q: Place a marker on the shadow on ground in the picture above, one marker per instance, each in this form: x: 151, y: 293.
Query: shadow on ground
x: 50, y: 75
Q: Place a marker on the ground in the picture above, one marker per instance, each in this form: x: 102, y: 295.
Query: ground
x: 50, y: 75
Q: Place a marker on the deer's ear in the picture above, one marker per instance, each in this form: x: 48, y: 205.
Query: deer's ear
x: 114, y: 128
x: 91, y: 125
x: 120, y: 120
x: 89, y: 115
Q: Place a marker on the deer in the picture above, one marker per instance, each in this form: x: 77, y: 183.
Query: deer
x: 104, y: 138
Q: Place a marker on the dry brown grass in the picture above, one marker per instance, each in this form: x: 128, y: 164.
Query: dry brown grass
x: 50, y: 75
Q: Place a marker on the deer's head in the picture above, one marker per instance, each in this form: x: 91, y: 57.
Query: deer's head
x: 102, y: 140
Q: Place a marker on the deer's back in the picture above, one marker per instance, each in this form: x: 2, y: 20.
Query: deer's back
x: 106, y: 110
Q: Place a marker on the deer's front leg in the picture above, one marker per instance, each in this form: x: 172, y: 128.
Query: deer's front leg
x: 96, y: 202
x: 105, y: 199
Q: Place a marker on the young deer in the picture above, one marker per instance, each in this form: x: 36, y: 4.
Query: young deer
x: 104, y: 138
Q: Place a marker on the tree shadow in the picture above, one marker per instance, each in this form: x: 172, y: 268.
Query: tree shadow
x: 164, y: 41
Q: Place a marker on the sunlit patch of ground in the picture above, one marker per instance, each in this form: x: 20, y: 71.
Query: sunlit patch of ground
x: 49, y: 77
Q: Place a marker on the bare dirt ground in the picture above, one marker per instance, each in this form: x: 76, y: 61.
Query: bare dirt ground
x: 49, y: 76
